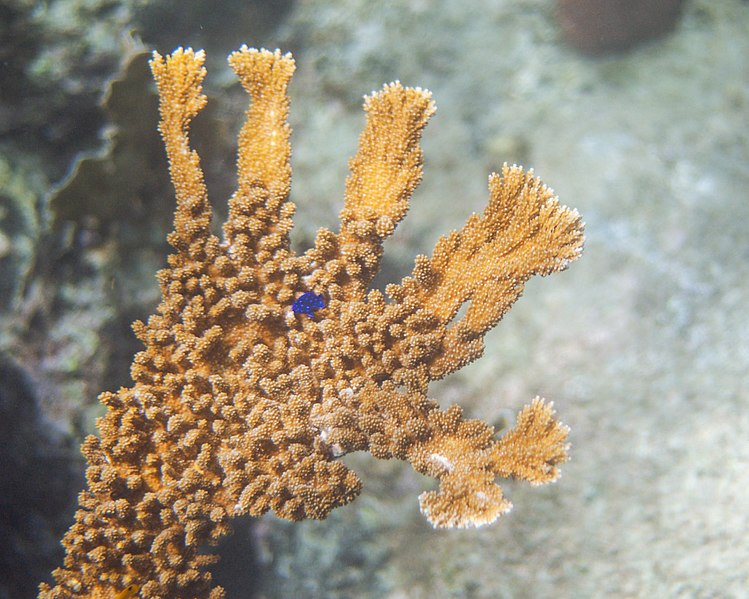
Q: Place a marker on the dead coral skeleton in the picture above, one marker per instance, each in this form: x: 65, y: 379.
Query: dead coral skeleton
x: 261, y: 366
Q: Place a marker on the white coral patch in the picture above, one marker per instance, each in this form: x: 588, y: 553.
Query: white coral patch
x: 441, y: 460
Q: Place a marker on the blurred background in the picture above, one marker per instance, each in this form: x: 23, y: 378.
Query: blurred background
x: 635, y: 112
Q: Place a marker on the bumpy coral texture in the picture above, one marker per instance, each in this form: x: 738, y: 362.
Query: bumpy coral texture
x: 245, y: 395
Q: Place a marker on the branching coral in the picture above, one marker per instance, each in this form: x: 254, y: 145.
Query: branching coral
x: 261, y: 367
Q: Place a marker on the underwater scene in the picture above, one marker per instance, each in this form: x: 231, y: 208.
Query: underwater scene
x: 269, y: 325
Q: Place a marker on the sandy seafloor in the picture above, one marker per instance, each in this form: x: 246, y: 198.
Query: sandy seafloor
x: 643, y: 344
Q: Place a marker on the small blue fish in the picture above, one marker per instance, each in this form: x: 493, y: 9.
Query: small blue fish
x: 307, y: 303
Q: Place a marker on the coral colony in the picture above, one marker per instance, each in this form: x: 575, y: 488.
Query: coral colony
x: 261, y: 367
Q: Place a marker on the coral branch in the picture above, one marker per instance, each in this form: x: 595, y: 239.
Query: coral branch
x: 534, y: 448
x: 384, y: 173
x: 179, y: 78
x: 259, y: 213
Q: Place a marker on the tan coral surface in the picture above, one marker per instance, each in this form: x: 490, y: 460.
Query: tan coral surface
x: 242, y: 402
